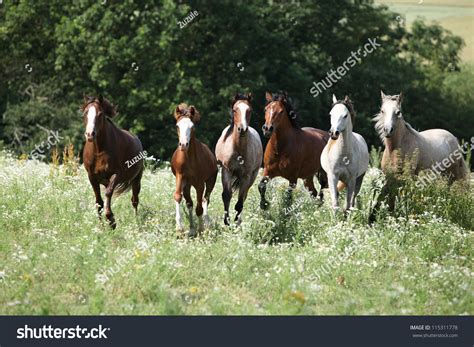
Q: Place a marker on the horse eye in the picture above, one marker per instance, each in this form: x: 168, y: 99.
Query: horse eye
x: 345, y: 116
x: 397, y: 113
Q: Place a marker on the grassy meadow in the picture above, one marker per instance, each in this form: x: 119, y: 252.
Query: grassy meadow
x: 296, y: 258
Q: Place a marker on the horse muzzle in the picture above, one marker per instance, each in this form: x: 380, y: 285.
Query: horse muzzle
x: 267, y: 130
x: 90, y: 137
x: 334, y: 134
x: 183, y: 146
x: 242, y: 131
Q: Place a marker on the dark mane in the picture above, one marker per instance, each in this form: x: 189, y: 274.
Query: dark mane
x: 107, y: 107
x: 292, y: 115
x: 236, y: 98
x: 348, y: 103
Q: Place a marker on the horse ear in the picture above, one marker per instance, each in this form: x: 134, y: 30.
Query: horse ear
x: 334, y: 99
x: 101, y: 98
x: 177, y: 112
x: 400, y: 97
x: 382, y: 95
x: 268, y: 96
x: 85, y: 97
x: 249, y: 96
x: 195, y: 116
x: 346, y: 99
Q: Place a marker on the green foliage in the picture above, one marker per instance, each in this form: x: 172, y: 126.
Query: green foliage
x: 135, y: 53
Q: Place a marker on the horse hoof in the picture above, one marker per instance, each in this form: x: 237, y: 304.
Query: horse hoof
x: 112, y: 224
x: 264, y: 205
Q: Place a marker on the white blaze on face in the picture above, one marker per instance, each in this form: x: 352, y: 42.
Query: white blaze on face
x: 91, y: 114
x: 338, y: 117
x: 389, y: 108
x: 243, y: 107
x: 185, y: 126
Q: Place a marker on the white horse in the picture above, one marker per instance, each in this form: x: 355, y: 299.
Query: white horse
x: 346, y: 156
x: 427, y: 149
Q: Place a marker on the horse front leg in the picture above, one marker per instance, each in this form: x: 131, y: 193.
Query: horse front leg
x: 109, y: 192
x: 178, y: 196
x: 226, y: 193
x: 350, y: 193
x: 243, y: 192
x: 332, y: 182
x: 262, y: 188
x: 289, y: 192
x: 99, y: 203
x: 199, y: 209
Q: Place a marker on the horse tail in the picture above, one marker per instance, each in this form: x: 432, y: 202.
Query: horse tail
x: 235, y: 183
x: 127, y: 185
x: 340, y: 186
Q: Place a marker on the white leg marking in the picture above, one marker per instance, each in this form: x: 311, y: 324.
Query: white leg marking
x: 179, y: 221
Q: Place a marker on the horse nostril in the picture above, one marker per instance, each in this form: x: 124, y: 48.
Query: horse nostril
x: 93, y: 133
x: 264, y: 128
x: 337, y: 132
x: 271, y: 128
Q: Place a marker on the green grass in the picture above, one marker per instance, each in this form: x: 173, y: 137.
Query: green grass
x: 54, y: 254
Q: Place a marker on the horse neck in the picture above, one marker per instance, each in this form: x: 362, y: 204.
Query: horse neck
x: 100, y: 142
x: 239, y: 142
x: 285, y: 131
x: 400, y: 138
x: 193, y: 153
x: 346, y: 139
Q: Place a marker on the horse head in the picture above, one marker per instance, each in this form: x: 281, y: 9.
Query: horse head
x: 390, y: 115
x: 95, y: 110
x: 186, y: 117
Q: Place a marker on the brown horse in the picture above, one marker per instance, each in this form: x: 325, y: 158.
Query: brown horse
x: 292, y: 152
x: 194, y: 165
x: 106, y: 153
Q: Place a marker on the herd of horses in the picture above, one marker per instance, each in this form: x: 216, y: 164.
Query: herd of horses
x: 338, y: 158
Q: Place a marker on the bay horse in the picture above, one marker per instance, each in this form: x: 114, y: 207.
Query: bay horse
x: 425, y: 148
x: 239, y: 152
x: 346, y: 156
x: 193, y: 165
x: 106, y: 152
x: 292, y: 152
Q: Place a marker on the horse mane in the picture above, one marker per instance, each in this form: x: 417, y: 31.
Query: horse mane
x: 348, y: 103
x: 107, y: 107
x: 292, y: 115
x: 184, y: 110
x: 379, y: 120
x: 237, y: 97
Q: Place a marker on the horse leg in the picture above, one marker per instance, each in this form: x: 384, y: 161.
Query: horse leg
x: 262, y: 188
x: 226, y: 193
x: 136, y: 187
x: 350, y: 193
x: 177, y: 198
x: 210, y: 183
x: 309, y: 184
x: 189, y: 204
x: 289, y: 192
x: 199, y: 208
x: 99, y: 203
x: 243, y: 191
x: 332, y: 182
x: 109, y: 192
x: 323, y: 182
x: 358, y: 185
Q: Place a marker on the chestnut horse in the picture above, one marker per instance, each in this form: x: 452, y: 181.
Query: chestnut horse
x: 194, y: 165
x: 239, y: 152
x: 106, y: 152
x: 292, y: 152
